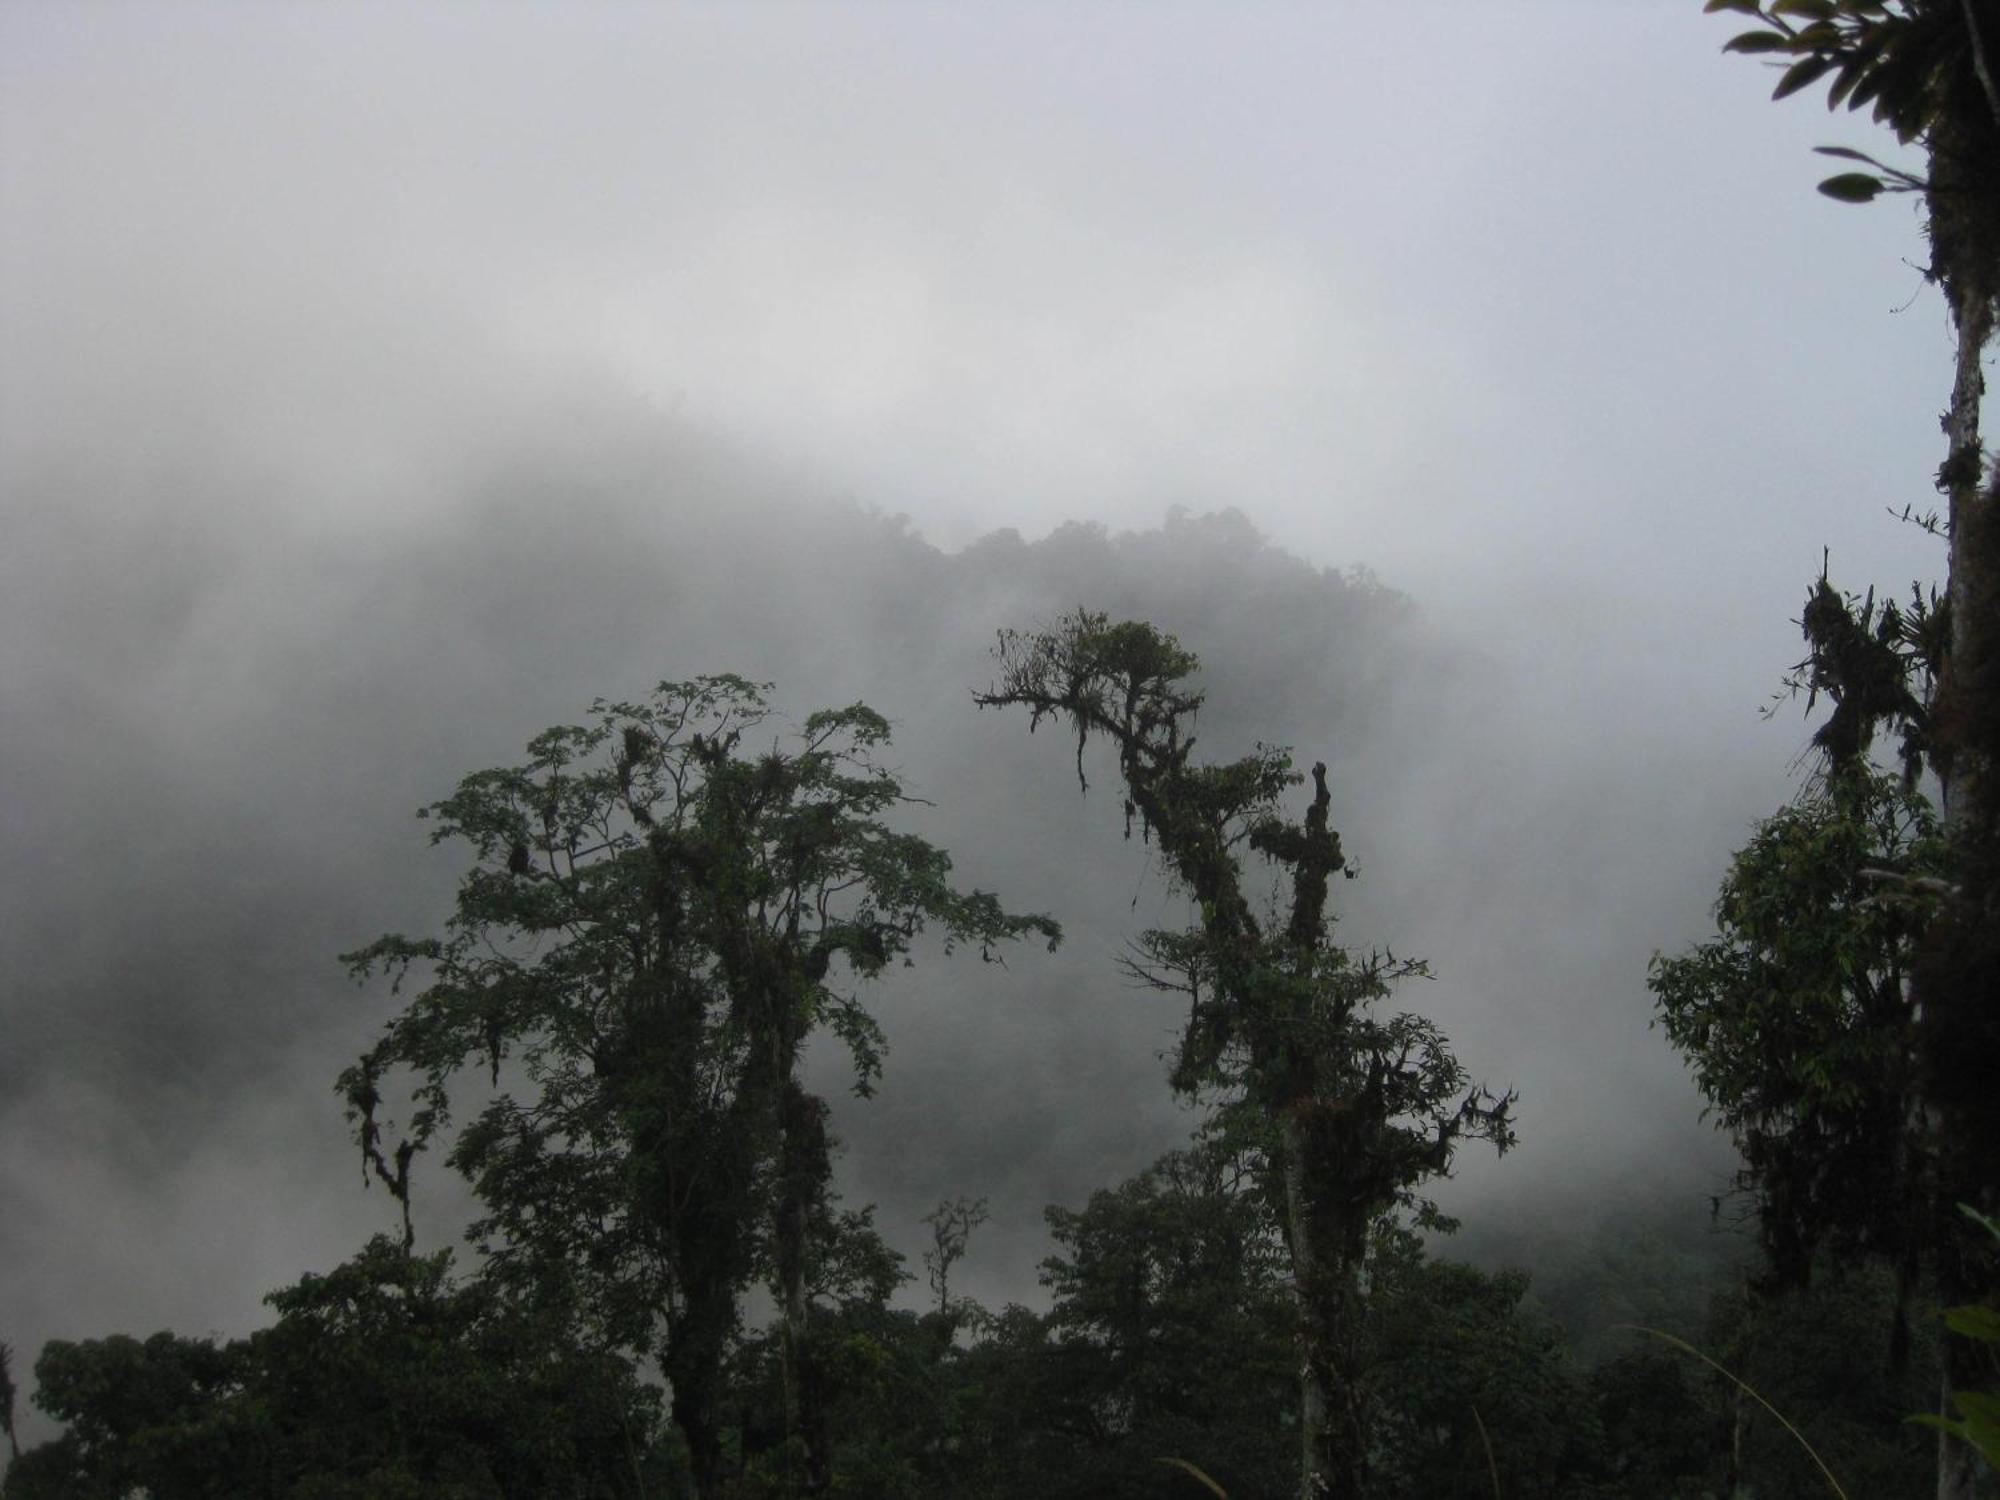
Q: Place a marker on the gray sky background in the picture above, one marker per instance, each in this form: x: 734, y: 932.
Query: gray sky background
x: 1529, y: 308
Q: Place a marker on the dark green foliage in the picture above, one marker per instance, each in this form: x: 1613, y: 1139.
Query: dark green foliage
x: 1171, y: 1334
x: 1447, y: 1341
x: 1810, y: 1023
x: 880, y: 1371
x: 1670, y: 1425
x: 1976, y: 1417
x: 1171, y: 1327
x: 1655, y: 1416
x: 385, y: 1368
x: 1797, y: 1019
x: 157, y: 1413
x: 1657, y: 1265
x: 382, y: 1378
x: 1820, y: 1355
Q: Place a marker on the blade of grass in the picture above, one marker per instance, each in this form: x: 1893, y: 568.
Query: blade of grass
x: 1487, y: 1443
x: 1183, y: 1464
x: 1749, y: 1390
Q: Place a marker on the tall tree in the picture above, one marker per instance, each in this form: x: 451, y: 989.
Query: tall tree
x: 1797, y: 1022
x: 1801, y: 1019
x: 1930, y: 70
x: 656, y: 918
x: 1352, y: 1111
x: 138, y: 1413
x: 951, y: 1224
x: 7, y: 1396
x: 1170, y: 1328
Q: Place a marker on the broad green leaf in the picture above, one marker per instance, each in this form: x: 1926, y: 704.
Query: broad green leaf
x: 1975, y: 1322
x: 1817, y: 10
x: 1801, y: 73
x: 1758, y: 41
x: 1852, y: 187
x: 1746, y: 7
x: 1846, y: 153
x: 1982, y: 1435
x: 1850, y: 73
x: 1867, y: 86
x: 1981, y: 1409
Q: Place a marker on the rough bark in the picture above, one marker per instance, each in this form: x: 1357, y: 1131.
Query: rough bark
x: 802, y: 1178
x: 1325, y: 1256
x: 693, y: 1367
x: 1316, y: 1471
x: 1960, y: 974
x: 1957, y: 1463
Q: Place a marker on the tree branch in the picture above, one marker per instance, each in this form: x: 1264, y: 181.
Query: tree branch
x: 1979, y: 63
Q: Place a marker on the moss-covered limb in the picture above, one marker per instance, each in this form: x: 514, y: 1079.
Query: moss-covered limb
x: 1353, y: 1112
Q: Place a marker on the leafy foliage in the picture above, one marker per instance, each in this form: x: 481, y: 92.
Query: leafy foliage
x: 1876, y: 666
x: 1797, y: 1017
x: 1977, y: 1422
x: 1171, y: 1327
x: 1454, y: 1351
x: 1922, y: 67
x: 382, y: 1378
x: 1817, y: 1355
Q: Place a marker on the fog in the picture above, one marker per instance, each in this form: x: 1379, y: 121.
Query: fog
x: 1474, y: 388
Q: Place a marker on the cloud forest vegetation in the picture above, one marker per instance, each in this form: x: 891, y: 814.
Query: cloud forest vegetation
x: 663, y: 910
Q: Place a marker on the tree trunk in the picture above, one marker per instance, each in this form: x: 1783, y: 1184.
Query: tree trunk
x: 802, y: 1176
x: 1313, y: 1477
x: 710, y: 1234
x: 694, y: 1413
x: 1330, y: 1455
x: 1324, y: 1265
x: 1961, y: 967
x: 1739, y: 1423
x: 1971, y: 585
x: 1957, y: 1464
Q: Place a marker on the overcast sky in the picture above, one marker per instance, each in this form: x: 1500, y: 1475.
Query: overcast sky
x: 1460, y: 290
x: 1530, y: 308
